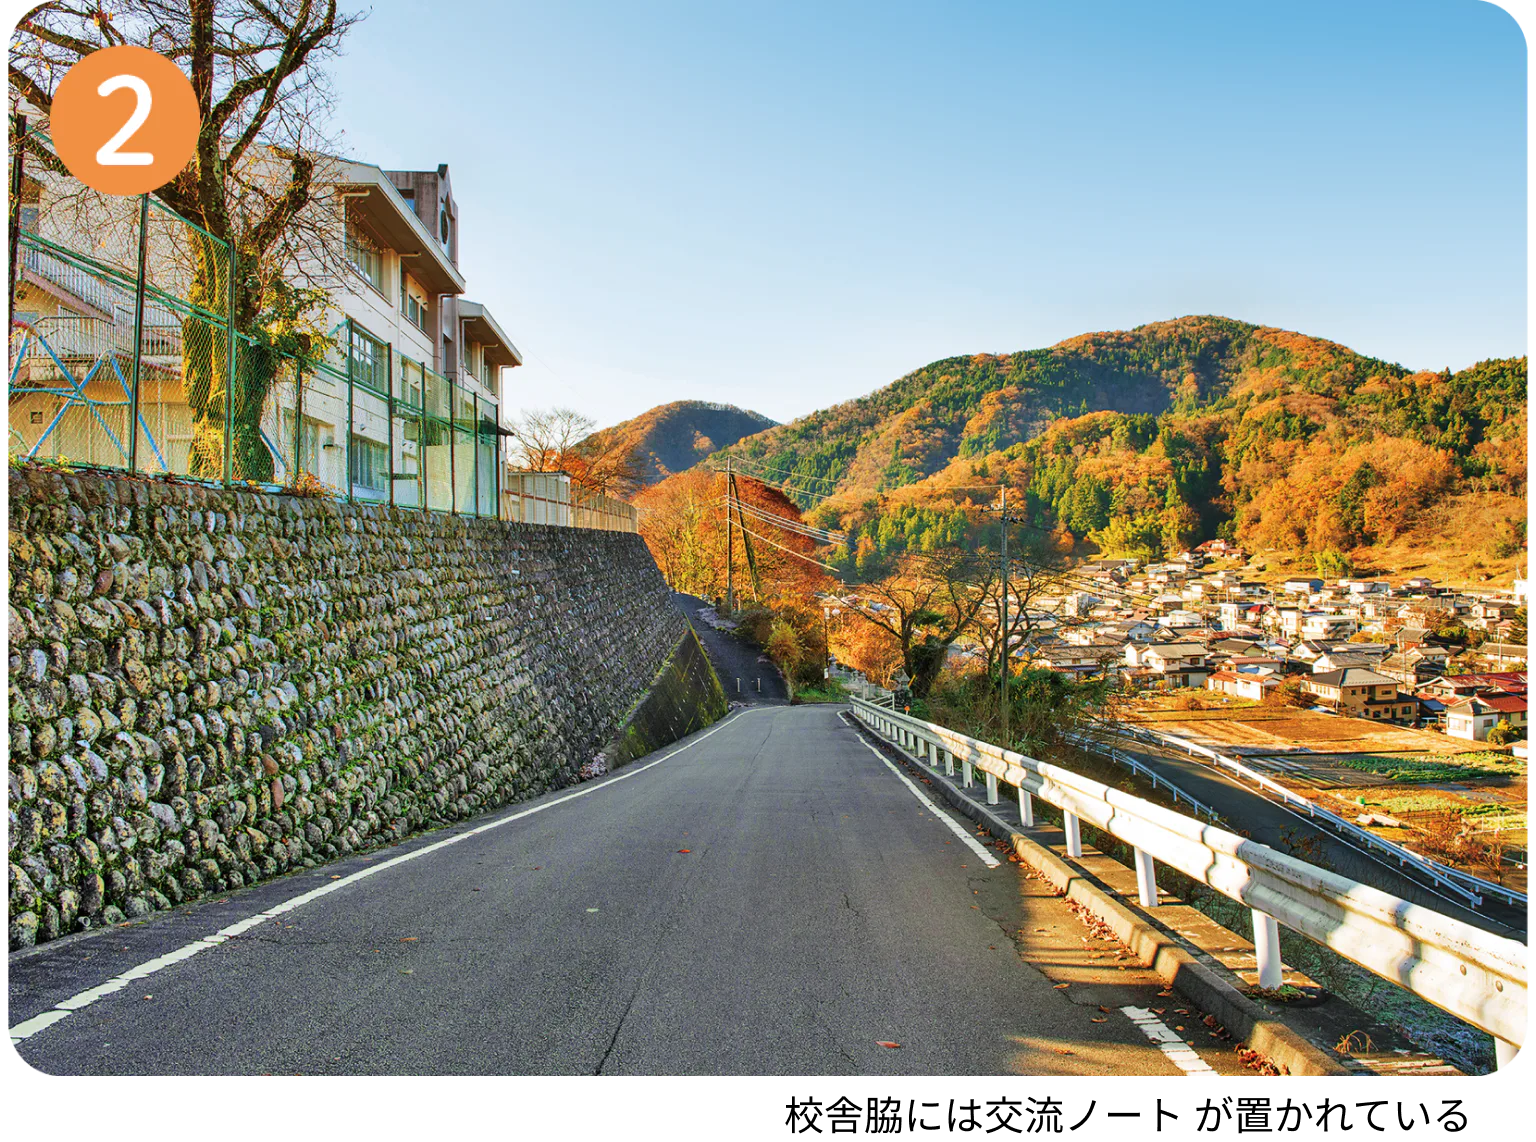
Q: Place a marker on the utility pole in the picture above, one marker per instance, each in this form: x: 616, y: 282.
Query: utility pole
x: 730, y: 541
x: 18, y: 164
x: 1005, y: 742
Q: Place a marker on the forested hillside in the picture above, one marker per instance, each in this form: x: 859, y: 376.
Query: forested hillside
x: 674, y: 437
x: 1148, y: 440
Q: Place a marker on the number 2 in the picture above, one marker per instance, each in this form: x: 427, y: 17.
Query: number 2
x: 109, y: 155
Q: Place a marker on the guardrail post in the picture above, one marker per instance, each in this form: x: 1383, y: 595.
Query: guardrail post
x: 991, y: 789
x: 949, y: 764
x: 1026, y: 808
x: 1266, y: 948
x: 965, y: 774
x: 1146, y: 880
x: 1074, y: 836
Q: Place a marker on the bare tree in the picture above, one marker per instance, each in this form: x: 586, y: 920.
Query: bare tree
x: 562, y: 440
x: 1029, y: 581
x: 256, y: 71
x: 925, y: 603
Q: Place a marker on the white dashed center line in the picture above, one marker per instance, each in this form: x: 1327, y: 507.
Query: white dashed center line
x: 1169, y: 1042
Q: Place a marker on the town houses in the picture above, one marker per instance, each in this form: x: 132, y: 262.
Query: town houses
x: 1408, y: 651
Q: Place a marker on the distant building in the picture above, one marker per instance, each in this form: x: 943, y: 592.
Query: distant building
x: 1360, y: 693
x: 1502, y: 654
x: 1472, y: 718
x: 1241, y: 685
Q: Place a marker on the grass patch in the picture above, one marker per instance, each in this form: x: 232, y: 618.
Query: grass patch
x: 830, y: 691
x: 1419, y: 768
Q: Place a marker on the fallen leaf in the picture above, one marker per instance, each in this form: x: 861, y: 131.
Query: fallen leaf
x: 408, y: 939
x: 1104, y: 1009
x: 887, y: 1043
x: 1059, y: 986
x: 336, y: 876
x: 149, y: 997
x: 591, y: 909
x: 1063, y: 1051
x: 407, y: 971
x: 1180, y: 1028
x: 1159, y: 1010
x: 685, y: 850
x: 1098, y: 1019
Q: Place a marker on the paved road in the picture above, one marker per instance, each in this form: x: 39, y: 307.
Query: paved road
x: 747, y: 674
x: 1269, y: 823
x: 820, y: 909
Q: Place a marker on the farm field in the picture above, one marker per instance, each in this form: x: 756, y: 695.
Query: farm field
x: 1451, y: 800
x: 1253, y: 729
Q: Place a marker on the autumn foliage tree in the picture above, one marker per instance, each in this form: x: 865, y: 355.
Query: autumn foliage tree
x: 683, y: 522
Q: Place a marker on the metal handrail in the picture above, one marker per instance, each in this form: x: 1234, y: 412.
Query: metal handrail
x: 1474, y: 975
x: 1471, y: 888
x: 1092, y: 745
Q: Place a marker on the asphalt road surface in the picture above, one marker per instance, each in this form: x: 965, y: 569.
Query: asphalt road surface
x: 746, y: 673
x: 821, y: 908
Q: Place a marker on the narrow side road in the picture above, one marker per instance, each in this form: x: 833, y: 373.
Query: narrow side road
x: 1270, y: 823
x: 746, y: 673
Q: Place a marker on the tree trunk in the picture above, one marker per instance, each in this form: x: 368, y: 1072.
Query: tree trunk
x: 206, y: 372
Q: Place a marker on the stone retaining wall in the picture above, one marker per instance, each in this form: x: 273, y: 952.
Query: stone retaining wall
x: 210, y: 687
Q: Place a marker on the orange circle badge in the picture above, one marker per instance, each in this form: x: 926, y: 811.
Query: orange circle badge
x: 124, y: 120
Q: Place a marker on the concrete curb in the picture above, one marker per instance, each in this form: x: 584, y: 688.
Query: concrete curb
x: 1202, y: 985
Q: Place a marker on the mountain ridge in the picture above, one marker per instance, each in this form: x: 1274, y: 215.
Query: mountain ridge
x: 1151, y: 438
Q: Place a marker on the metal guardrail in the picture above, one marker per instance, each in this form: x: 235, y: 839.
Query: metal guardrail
x: 1470, y: 888
x: 1474, y: 975
x: 1119, y: 757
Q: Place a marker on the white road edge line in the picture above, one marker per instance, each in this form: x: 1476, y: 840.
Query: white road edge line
x: 65, y: 1008
x: 987, y: 858
x: 1169, y: 1042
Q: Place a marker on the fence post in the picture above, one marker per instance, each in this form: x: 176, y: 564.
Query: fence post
x: 298, y: 418
x: 949, y: 763
x: 965, y: 774
x: 138, y: 331
x: 1074, y: 835
x: 389, y: 411
x: 1026, y: 808
x: 1146, y: 879
x: 991, y: 789
x: 421, y: 441
x: 229, y: 381
x: 453, y: 446
x: 1266, y: 948
x: 347, y: 455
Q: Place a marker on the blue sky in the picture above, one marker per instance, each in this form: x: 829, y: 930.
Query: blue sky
x: 785, y: 205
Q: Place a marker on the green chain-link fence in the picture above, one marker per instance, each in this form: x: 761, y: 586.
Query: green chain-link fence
x: 125, y: 354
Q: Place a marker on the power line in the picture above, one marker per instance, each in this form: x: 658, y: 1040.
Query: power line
x: 785, y: 485
x: 788, y: 550
x: 787, y: 522
x: 786, y: 471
